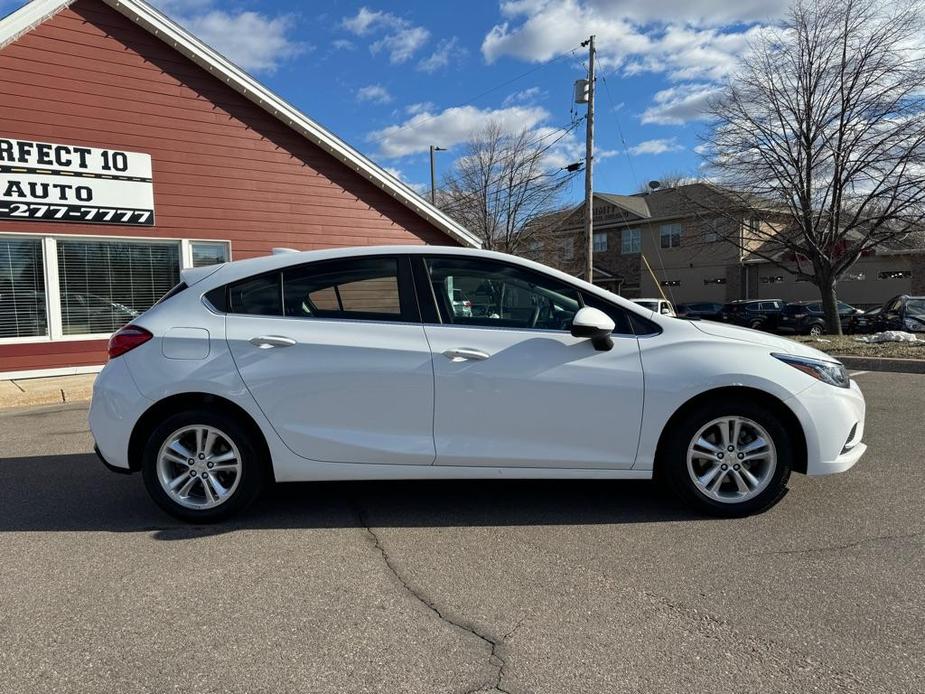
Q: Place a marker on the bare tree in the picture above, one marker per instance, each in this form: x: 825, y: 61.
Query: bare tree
x: 669, y: 179
x: 501, y: 189
x: 824, y: 128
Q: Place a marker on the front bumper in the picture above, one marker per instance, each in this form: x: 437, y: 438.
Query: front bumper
x: 833, y: 422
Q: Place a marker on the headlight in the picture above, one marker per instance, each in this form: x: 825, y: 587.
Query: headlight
x: 831, y: 372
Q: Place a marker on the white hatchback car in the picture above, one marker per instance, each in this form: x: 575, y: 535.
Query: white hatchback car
x: 351, y: 364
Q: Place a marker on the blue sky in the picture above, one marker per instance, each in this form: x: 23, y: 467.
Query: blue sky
x: 394, y: 77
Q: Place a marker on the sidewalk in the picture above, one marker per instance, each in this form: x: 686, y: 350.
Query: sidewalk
x: 29, y: 392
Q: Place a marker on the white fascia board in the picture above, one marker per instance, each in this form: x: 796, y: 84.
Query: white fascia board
x: 28, y: 17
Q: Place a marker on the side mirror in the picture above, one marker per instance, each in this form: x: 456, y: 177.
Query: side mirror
x: 595, y: 325
x: 666, y: 311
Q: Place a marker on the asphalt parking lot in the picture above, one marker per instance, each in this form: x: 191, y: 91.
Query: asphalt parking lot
x: 463, y: 587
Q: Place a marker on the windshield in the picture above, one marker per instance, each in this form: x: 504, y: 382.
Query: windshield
x: 651, y: 305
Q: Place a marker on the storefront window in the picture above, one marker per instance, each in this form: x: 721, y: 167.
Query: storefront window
x: 106, y: 283
x: 22, y: 289
x: 209, y: 253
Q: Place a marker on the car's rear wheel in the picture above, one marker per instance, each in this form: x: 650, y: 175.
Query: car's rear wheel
x: 728, y: 460
x: 815, y: 330
x: 202, y: 466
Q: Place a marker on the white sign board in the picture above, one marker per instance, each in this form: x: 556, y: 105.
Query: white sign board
x: 68, y: 183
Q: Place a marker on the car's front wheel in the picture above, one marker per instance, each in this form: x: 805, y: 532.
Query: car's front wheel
x: 728, y: 460
x: 202, y: 466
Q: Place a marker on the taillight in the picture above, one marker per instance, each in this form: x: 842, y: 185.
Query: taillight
x: 127, y: 339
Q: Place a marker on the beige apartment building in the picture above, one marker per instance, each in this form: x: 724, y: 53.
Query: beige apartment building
x: 662, y: 242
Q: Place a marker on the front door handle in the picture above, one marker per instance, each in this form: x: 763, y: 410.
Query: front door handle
x: 466, y: 354
x: 270, y: 341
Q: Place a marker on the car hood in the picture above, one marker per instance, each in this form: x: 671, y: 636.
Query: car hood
x: 757, y: 337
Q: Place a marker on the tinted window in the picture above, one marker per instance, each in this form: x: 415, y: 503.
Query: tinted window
x: 257, y: 296
x: 915, y: 307
x: 500, y: 295
x: 356, y: 288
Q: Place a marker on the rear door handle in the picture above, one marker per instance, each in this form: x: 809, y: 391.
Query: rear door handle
x: 270, y: 341
x: 466, y: 354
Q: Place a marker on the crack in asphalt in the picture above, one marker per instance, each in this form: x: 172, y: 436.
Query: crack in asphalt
x: 833, y: 548
x: 494, y: 657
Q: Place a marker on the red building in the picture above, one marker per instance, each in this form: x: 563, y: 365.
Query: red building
x: 130, y: 150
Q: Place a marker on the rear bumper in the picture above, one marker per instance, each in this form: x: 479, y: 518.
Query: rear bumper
x: 114, y: 409
x: 111, y: 468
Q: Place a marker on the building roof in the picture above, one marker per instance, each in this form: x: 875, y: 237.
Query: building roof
x: 162, y: 27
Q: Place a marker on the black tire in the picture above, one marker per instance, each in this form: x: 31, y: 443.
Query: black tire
x: 815, y: 330
x: 252, y: 471
x: 672, y: 464
x: 756, y: 325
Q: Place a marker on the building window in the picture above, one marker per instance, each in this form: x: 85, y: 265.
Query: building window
x: 772, y: 279
x: 630, y: 241
x: 22, y: 289
x: 105, y: 283
x: 205, y: 253
x: 600, y: 242
x: 670, y: 283
x: 894, y: 274
x: 670, y: 235
x: 715, y: 280
x: 568, y: 249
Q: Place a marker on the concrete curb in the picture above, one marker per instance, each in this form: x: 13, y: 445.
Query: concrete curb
x: 908, y: 366
x: 45, y: 391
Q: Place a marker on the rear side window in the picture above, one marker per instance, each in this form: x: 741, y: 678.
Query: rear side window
x: 356, y: 288
x: 259, y: 296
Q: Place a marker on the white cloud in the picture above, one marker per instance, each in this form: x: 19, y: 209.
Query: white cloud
x: 447, y: 51
x: 343, y: 44
x: 686, y: 40
x: 255, y: 41
x: 375, y: 93
x: 400, y: 39
x: 420, y: 107
x: 451, y: 127
x: 680, y: 104
x: 418, y: 188
x: 659, y: 146
x: 525, y: 96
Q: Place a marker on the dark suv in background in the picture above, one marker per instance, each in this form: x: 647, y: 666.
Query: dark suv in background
x: 760, y: 314
x: 808, y: 317
x: 702, y: 309
x: 902, y: 313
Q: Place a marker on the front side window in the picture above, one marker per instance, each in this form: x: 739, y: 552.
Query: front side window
x: 630, y: 241
x: 670, y: 235
x: 22, y: 289
x: 488, y: 293
x: 353, y: 288
x: 106, y: 283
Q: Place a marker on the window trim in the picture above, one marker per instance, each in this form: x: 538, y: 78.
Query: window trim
x: 53, y: 290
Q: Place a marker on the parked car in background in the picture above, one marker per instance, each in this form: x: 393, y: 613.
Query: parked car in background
x: 337, y: 365
x: 658, y: 305
x: 808, y: 317
x: 864, y: 322
x: 702, y: 310
x: 902, y: 312
x: 758, y: 314
x: 461, y: 305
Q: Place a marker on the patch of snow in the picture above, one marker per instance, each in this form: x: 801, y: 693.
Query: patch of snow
x: 890, y: 336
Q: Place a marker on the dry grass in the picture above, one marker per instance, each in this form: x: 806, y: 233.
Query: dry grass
x: 847, y: 345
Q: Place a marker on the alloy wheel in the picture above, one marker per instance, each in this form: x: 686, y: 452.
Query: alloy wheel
x: 199, y: 467
x: 731, y: 459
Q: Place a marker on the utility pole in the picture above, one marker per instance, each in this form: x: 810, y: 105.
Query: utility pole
x: 589, y: 163
x: 433, y: 178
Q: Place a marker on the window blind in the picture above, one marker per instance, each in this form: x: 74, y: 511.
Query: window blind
x: 22, y: 288
x: 106, y: 283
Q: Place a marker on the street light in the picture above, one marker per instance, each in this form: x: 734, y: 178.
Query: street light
x: 433, y: 180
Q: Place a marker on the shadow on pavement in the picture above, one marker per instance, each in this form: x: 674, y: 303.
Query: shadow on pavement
x: 75, y: 492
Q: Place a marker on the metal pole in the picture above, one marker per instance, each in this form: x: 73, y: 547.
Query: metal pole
x: 589, y: 162
x: 433, y: 180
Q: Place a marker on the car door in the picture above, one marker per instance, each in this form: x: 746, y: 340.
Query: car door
x: 512, y: 386
x: 335, y: 355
